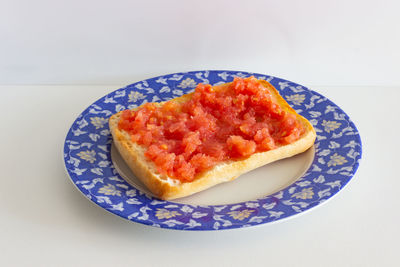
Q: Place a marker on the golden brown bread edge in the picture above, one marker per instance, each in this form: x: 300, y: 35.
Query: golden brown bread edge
x: 167, y: 188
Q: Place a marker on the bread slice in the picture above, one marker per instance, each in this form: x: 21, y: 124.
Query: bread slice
x: 167, y: 188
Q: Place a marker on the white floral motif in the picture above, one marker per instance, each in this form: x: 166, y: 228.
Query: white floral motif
x: 336, y: 160
x: 329, y: 109
x: 330, y: 125
x: 297, y: 89
x: 119, y: 206
x: 187, y: 83
x: 78, y: 171
x: 134, y: 96
x: 98, y: 122
x: 165, y: 89
x: 88, y: 155
x: 296, y: 99
x: 192, y: 223
x: 306, y: 193
x: 186, y: 209
x: 275, y: 214
x: 269, y: 206
x: 176, y: 77
x: 252, y: 205
x: 240, y: 214
x: 161, y: 80
x: 239, y: 74
x: 223, y: 75
x: 166, y: 214
x: 177, y: 92
x: 283, y: 85
x: 109, y: 190
x: 352, y: 144
x: 78, y: 132
x: 131, y: 193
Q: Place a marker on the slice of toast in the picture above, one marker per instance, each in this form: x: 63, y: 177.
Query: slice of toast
x: 165, y: 187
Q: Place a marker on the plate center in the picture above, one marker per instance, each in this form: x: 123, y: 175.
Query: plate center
x: 253, y: 185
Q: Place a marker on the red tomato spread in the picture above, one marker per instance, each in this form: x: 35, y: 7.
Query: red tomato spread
x: 188, y: 138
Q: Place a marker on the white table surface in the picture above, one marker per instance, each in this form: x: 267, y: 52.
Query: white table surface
x: 46, y: 221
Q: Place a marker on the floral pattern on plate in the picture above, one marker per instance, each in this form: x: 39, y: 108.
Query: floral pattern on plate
x: 88, y: 159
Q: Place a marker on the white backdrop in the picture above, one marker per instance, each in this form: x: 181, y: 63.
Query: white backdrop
x: 311, y: 42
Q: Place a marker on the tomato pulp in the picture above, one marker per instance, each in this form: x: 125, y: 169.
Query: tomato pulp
x: 184, y: 139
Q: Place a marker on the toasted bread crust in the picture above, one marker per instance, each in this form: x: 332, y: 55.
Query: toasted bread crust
x: 168, y: 188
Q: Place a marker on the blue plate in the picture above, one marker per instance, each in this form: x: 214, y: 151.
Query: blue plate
x: 87, y: 155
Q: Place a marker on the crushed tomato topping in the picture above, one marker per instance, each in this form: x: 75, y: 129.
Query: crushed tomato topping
x: 185, y: 139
